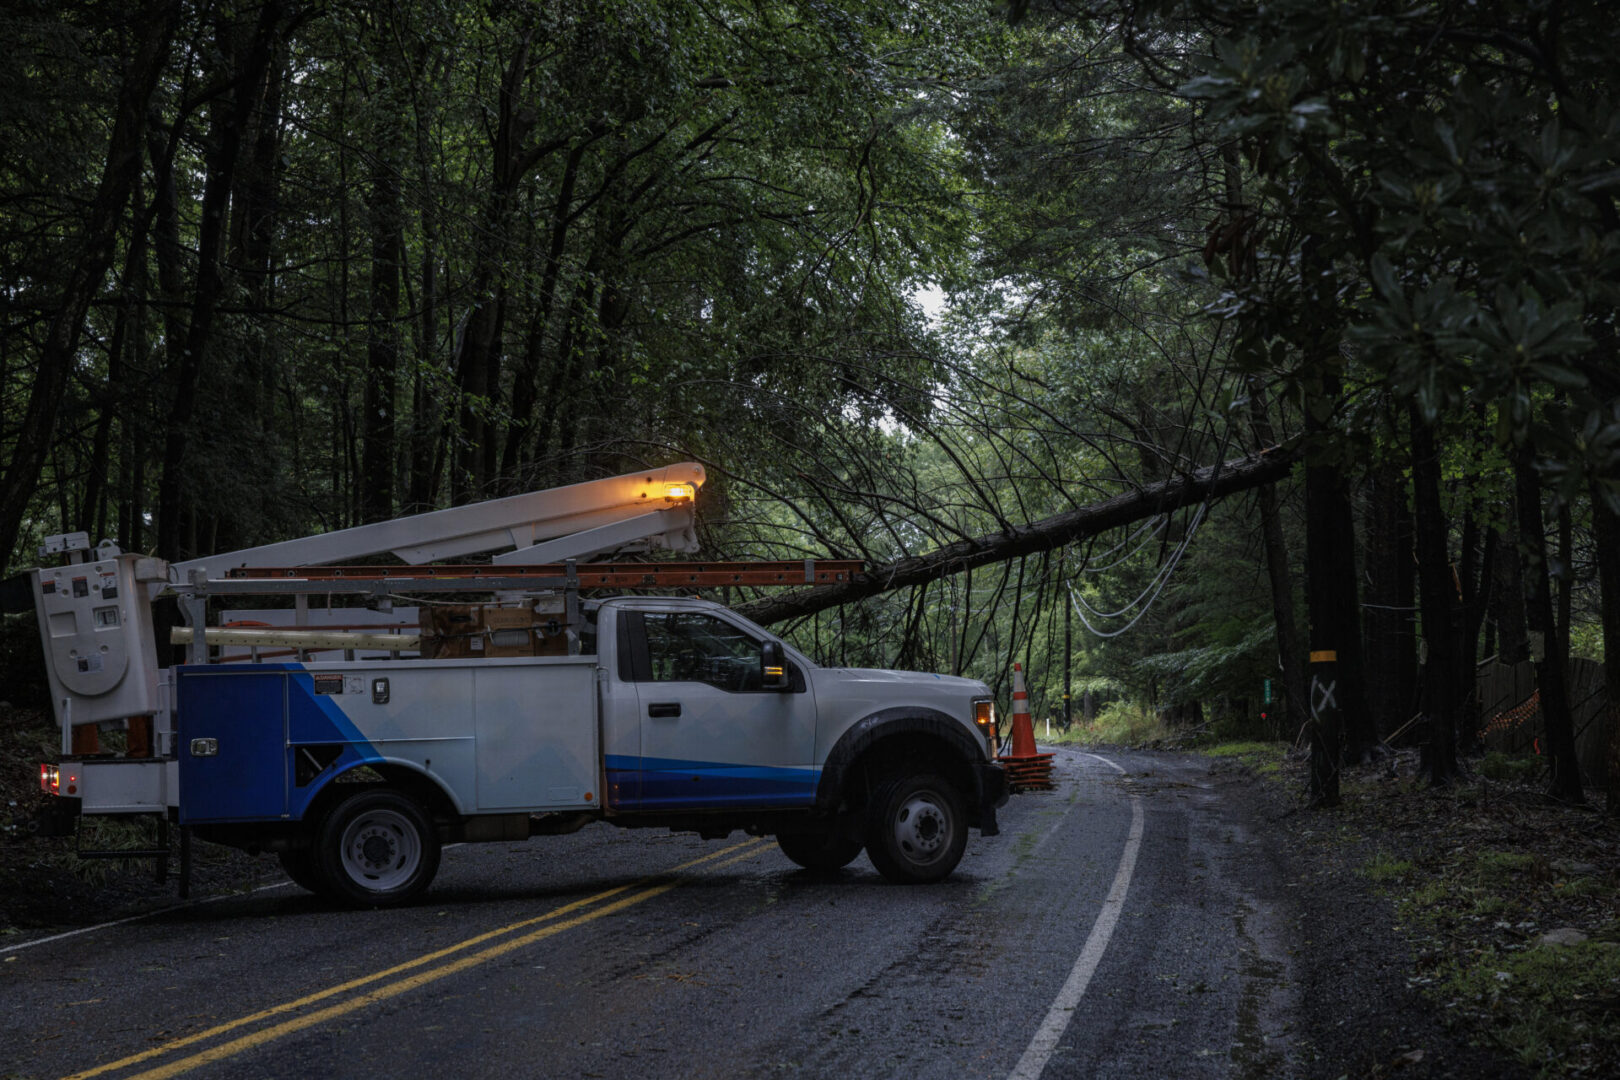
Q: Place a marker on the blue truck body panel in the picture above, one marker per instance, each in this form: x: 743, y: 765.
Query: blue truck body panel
x: 258, y: 715
x: 642, y: 783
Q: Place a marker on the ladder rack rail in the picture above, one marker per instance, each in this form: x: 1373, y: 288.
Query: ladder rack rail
x: 594, y: 575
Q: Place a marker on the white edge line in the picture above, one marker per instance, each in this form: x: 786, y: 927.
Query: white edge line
x: 143, y: 915
x: 1041, y: 1047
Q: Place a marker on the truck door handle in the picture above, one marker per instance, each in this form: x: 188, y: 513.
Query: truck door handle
x: 664, y: 708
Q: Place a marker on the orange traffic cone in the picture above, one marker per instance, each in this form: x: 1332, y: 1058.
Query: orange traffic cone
x: 1023, y: 729
x: 1027, y: 770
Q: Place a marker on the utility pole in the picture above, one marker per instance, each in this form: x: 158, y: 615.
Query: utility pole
x: 1068, y: 655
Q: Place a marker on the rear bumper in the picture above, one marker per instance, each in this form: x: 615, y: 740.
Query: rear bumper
x: 991, y: 781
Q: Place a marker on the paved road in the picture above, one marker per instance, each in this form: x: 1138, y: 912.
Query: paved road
x: 1128, y: 924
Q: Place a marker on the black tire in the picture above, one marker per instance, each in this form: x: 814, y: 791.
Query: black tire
x: 916, y: 829
x: 822, y: 852
x: 299, y: 864
x: 376, y: 849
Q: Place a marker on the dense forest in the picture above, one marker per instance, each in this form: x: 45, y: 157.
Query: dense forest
x: 1253, y: 366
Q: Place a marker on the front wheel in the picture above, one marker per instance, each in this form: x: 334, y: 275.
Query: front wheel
x: 916, y: 829
x: 377, y: 849
x: 820, y: 851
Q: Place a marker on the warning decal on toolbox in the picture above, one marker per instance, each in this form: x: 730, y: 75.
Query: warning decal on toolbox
x: 329, y: 684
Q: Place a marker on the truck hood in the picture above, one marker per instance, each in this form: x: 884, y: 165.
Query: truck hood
x: 948, y: 684
x: 844, y: 696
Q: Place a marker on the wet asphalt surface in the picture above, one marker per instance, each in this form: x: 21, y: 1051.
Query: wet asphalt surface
x: 740, y: 965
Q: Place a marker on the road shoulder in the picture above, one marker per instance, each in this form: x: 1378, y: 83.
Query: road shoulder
x: 1360, y: 1011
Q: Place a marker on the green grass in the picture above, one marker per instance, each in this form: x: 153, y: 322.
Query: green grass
x: 1119, y: 723
x: 1486, y: 886
x: 1265, y: 758
x: 1500, y: 766
x: 1584, y: 886
x: 1502, y: 865
x: 1076, y: 735
x: 1426, y: 896
x: 1244, y: 749
x: 1553, y: 1007
x: 1491, y: 906
x: 1386, y: 868
x: 1544, y: 1000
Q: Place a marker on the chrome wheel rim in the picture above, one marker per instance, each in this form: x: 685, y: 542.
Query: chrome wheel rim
x: 922, y: 828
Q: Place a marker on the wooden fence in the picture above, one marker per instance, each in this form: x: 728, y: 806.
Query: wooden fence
x: 1510, y: 713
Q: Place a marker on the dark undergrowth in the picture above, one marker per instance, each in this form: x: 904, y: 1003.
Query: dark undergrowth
x: 1507, y: 905
x: 45, y: 886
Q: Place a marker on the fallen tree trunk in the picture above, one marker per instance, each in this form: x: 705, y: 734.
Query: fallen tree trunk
x: 1211, y: 482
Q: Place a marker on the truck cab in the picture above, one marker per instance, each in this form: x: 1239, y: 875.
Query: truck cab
x: 693, y: 722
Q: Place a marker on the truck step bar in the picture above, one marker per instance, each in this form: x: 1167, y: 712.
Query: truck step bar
x: 159, y: 855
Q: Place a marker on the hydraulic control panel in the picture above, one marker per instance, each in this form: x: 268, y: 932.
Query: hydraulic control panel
x: 97, y: 628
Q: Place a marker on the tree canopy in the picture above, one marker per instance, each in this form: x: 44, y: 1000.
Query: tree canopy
x: 1168, y: 346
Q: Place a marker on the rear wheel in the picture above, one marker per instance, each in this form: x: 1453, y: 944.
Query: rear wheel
x: 376, y: 849
x: 916, y: 829
x: 820, y: 851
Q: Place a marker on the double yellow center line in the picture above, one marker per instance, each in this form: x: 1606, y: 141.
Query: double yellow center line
x: 555, y: 923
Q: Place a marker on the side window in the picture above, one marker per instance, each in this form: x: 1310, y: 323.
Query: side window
x: 695, y: 647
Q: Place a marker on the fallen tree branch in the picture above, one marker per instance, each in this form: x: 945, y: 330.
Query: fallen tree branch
x: 1210, y: 482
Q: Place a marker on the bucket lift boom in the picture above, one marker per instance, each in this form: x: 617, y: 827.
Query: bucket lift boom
x: 95, y: 617
x: 640, y: 510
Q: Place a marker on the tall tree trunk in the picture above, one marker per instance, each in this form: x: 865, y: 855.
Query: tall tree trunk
x: 425, y: 419
x: 1390, y: 643
x: 1440, y: 607
x: 1290, y: 653
x: 1477, y: 576
x: 563, y: 367
x: 424, y: 413
x: 1329, y: 547
x: 1551, y: 671
x: 382, y: 324
x: 155, y: 26
x: 125, y: 380
x: 601, y: 420
x: 382, y: 365
x: 478, y: 361
x: 1506, y: 601
x: 255, y: 207
x: 168, y: 254
x: 126, y: 326
x: 525, y: 386
x: 1606, y: 524
x: 247, y: 62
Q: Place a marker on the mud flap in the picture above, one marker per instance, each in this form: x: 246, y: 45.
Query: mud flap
x: 992, y: 783
x: 59, y: 818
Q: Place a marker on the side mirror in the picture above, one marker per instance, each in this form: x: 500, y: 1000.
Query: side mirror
x: 773, y: 664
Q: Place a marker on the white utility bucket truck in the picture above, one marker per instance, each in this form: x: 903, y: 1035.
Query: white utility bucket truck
x: 354, y: 738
